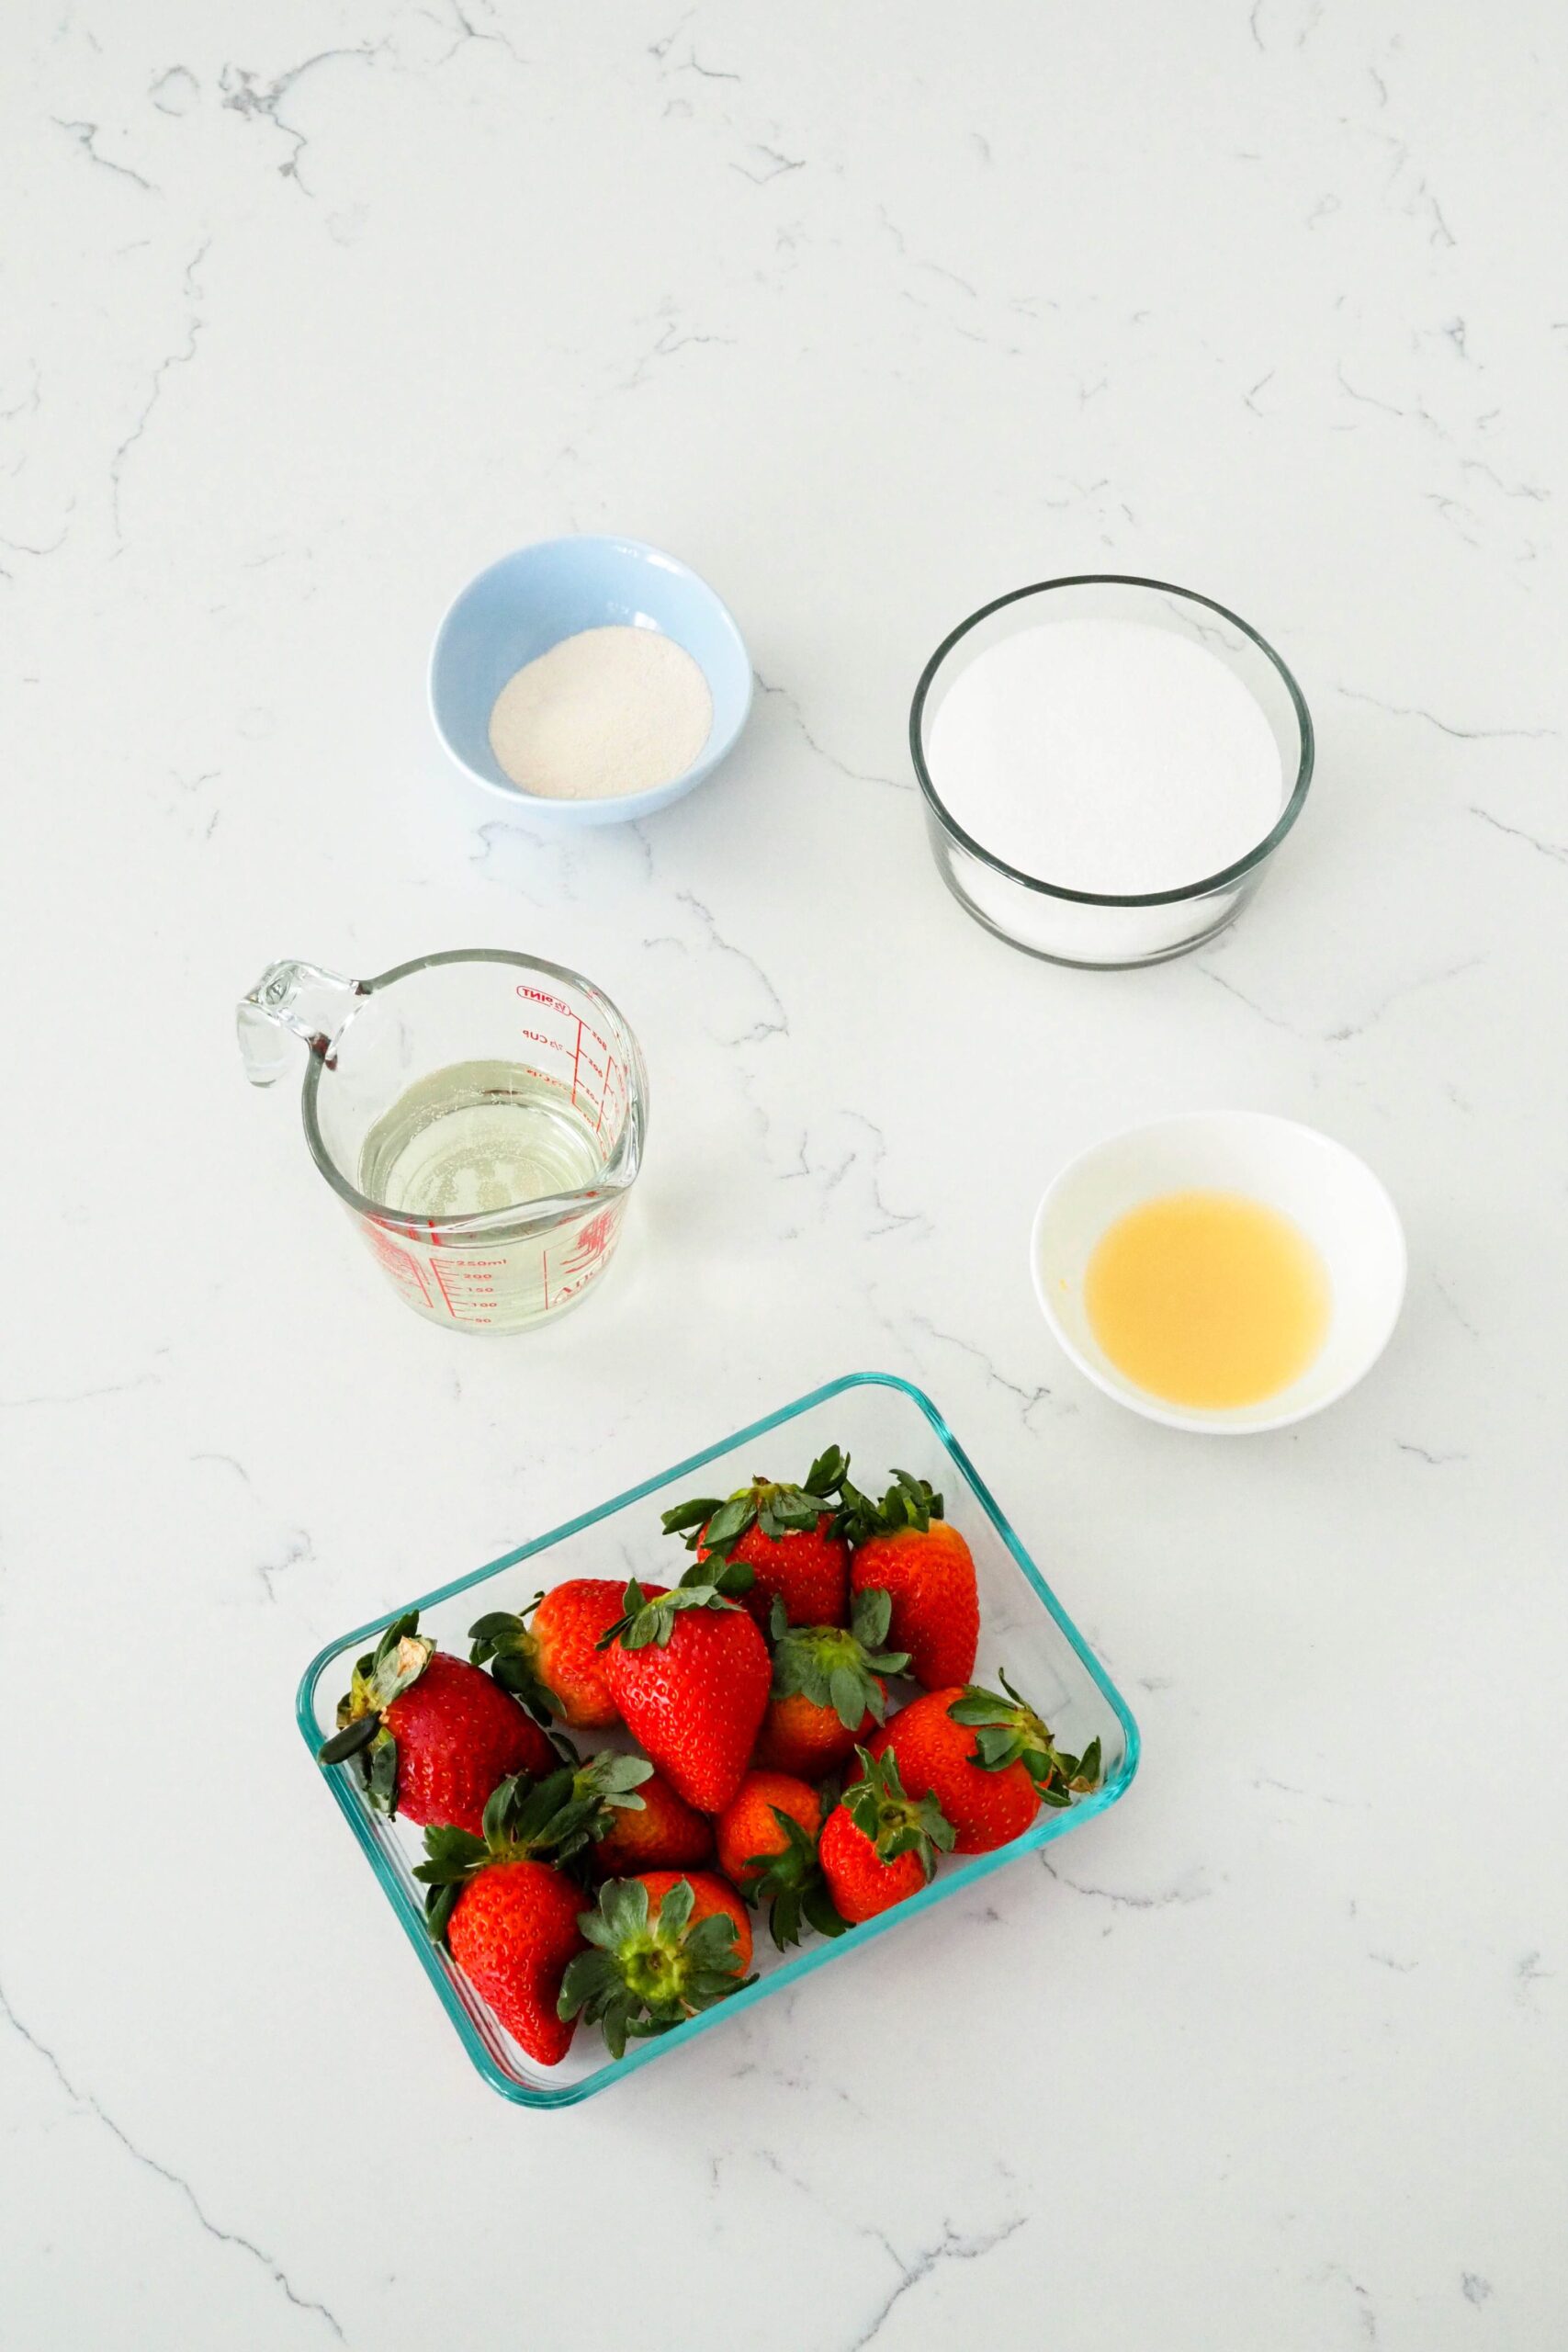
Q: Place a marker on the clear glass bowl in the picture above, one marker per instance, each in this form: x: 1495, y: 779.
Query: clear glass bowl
x: 1085, y: 926
x: 885, y: 1424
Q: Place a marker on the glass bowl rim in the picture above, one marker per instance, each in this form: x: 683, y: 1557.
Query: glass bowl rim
x: 1233, y: 873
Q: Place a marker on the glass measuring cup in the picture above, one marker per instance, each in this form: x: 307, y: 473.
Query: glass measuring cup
x: 481, y: 1115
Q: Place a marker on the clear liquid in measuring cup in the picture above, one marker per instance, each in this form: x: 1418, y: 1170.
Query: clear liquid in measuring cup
x: 477, y: 1135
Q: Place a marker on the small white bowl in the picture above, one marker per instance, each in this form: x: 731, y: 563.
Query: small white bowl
x: 1333, y: 1196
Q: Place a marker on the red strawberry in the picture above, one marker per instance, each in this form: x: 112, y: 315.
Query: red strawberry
x: 689, y: 1674
x: 767, y: 1845
x: 905, y: 1548
x: 434, y: 1736
x: 665, y: 1835
x: 989, y: 1762
x: 509, y: 1919
x: 808, y: 1570
x: 827, y: 1690
x: 878, y: 1846
x: 800, y: 1738
x: 748, y: 1832
x: 554, y: 1664
x: 788, y: 1537
x: 665, y: 1945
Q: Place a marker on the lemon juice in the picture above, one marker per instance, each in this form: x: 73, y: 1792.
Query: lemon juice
x: 1207, y: 1299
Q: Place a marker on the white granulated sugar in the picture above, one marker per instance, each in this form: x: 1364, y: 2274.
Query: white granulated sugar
x: 1106, y: 755
x: 607, y: 711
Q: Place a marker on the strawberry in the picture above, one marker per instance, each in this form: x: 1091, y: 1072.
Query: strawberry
x: 827, y: 1690
x: 767, y: 1846
x: 665, y: 1945
x: 788, y: 1537
x: 989, y: 1762
x: 879, y: 1845
x: 665, y: 1835
x: 904, y: 1547
x: 553, y: 1666
x: 509, y: 1919
x: 690, y: 1673
x: 434, y: 1737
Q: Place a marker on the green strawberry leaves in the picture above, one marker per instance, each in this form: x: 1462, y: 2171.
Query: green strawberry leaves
x: 895, y: 1822
x: 909, y: 1502
x: 835, y: 1667
x: 651, y: 1618
x: 553, y: 1819
x: 791, y: 1884
x: 718, y: 1523
x: 399, y: 1659
x: 503, y: 1642
x: 643, y: 1975
x: 381, y: 1776
x: 1008, y: 1731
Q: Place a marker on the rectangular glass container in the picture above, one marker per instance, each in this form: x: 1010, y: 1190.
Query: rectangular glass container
x: 884, y: 1424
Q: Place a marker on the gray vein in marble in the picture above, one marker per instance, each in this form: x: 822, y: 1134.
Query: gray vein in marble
x: 856, y: 775
x: 1528, y: 1974
x: 892, y: 1220
x: 776, y: 164
x: 1275, y: 1020
x: 1436, y: 1460
x: 1249, y: 398
x: 25, y: 546
x: 936, y: 268
x: 1350, y: 1029
x: 1183, y: 1892
x: 1508, y: 489
x: 80, y: 1396
x: 1029, y: 1399
x: 1400, y: 1967
x: 175, y: 90
x: 1555, y: 850
x: 177, y: 358
x: 1474, y: 2286
x: 29, y: 400
x: 1453, y: 1307
x: 297, y: 1544
x: 85, y: 2100
x: 1318, y: 1796
x: 84, y: 133
x: 949, y: 2247
x: 467, y: 31
x: 246, y: 95
x: 1365, y: 2311
x: 768, y: 1024
x: 1445, y: 727
x: 669, y: 340
x: 659, y: 50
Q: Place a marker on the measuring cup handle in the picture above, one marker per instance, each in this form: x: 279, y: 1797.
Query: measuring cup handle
x: 293, y: 999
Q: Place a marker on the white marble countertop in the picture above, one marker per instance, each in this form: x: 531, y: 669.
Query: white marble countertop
x: 868, y: 313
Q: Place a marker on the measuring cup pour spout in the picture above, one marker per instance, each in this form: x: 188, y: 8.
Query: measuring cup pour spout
x: 294, y: 1000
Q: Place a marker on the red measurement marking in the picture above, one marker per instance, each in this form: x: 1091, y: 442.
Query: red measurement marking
x: 441, y: 1286
x: 576, y: 1059
x: 594, y: 1239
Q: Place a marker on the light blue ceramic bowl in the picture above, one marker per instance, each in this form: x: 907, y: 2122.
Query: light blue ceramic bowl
x: 528, y: 602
